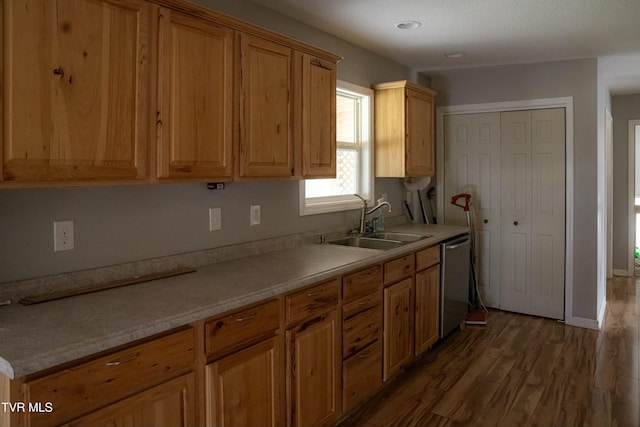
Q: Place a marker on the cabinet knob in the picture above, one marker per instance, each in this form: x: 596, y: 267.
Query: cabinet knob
x: 486, y: 221
x: 515, y: 222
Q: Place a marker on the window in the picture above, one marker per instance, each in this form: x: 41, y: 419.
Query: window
x: 354, y: 121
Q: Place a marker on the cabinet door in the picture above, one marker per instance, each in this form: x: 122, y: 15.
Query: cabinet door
x: 318, y: 111
x: 398, y: 327
x: 266, y: 148
x: 420, y: 137
x: 195, y: 89
x: 427, y: 308
x: 362, y: 376
x: 243, y: 389
x: 171, y: 404
x: 313, y: 372
x: 77, y: 80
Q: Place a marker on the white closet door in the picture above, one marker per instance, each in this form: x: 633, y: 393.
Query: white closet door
x: 516, y: 208
x: 532, y: 214
x: 472, y: 165
x: 548, y: 212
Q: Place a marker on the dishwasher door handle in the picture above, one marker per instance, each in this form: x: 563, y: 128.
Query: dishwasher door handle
x: 452, y: 247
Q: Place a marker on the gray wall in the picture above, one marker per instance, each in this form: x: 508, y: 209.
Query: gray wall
x: 578, y: 79
x: 623, y: 109
x: 128, y: 223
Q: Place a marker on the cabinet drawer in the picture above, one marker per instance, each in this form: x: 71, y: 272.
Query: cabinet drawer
x: 240, y: 328
x: 398, y: 269
x: 311, y: 301
x: 362, y: 375
x: 361, y: 283
x: 362, y: 323
x: 88, y: 386
x: 427, y: 257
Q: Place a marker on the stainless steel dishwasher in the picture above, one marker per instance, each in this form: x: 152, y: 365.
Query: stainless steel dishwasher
x: 454, y: 282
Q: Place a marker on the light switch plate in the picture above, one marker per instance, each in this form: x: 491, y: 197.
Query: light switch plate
x: 215, y: 219
x: 255, y: 215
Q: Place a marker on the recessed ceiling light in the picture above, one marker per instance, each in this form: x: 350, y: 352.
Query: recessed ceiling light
x: 408, y: 25
x: 454, y: 55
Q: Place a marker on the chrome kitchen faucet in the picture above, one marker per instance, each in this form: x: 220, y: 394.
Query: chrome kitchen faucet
x: 364, y: 212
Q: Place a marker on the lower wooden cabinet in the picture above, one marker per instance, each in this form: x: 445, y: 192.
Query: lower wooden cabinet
x: 87, y: 387
x: 243, y: 389
x: 302, y: 359
x: 170, y: 404
x: 427, y: 306
x: 361, y: 375
x: 314, y: 372
x: 398, y: 327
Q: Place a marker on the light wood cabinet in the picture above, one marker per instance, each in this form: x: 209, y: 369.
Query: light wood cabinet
x: 240, y: 329
x: 315, y: 123
x: 404, y: 130
x: 398, y: 327
x: 427, y: 308
x: 195, y: 98
x: 313, y: 355
x: 244, y: 388
x: 361, y: 336
x: 314, y: 372
x: 76, y: 98
x: 305, y: 304
x: 362, y: 376
x: 86, y: 387
x: 265, y: 108
x: 170, y: 404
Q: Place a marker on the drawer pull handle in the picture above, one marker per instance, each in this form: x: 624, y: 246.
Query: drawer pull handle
x: 314, y: 294
x: 244, y: 319
x: 368, y: 301
x: 364, y: 355
x: 122, y: 362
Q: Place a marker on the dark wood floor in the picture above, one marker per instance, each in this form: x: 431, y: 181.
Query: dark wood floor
x: 524, y: 371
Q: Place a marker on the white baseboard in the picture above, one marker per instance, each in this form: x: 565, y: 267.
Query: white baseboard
x: 623, y: 273
x: 582, y: 322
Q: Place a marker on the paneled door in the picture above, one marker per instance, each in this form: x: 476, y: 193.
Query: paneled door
x: 472, y: 165
x: 265, y: 87
x: 533, y: 212
x: 195, y: 98
x: 513, y: 165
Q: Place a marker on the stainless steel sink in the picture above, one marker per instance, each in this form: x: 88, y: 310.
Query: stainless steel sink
x: 367, y: 242
x: 400, y: 237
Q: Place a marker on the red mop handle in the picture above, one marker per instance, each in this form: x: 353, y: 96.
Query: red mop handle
x: 467, y: 200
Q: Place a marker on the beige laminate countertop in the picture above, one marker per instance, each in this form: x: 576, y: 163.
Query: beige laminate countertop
x: 41, y: 336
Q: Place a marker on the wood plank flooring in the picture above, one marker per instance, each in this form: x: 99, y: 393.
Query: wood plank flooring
x: 523, y: 371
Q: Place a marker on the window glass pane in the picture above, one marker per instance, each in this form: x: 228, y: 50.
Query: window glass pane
x: 346, y: 181
x: 346, y: 108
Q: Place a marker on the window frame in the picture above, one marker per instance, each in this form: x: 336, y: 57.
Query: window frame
x: 345, y: 202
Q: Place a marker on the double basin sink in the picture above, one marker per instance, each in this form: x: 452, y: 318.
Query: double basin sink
x: 380, y: 240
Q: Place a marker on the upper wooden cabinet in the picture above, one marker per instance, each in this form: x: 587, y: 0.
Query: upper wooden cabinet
x: 404, y: 130
x: 76, y: 90
x: 195, y: 98
x: 316, y: 120
x: 85, y: 80
x: 265, y: 108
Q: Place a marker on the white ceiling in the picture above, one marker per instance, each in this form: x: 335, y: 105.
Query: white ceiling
x: 489, y: 32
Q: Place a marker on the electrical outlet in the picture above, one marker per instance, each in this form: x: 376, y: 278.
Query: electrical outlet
x: 255, y: 215
x: 62, y: 236
x: 215, y: 219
